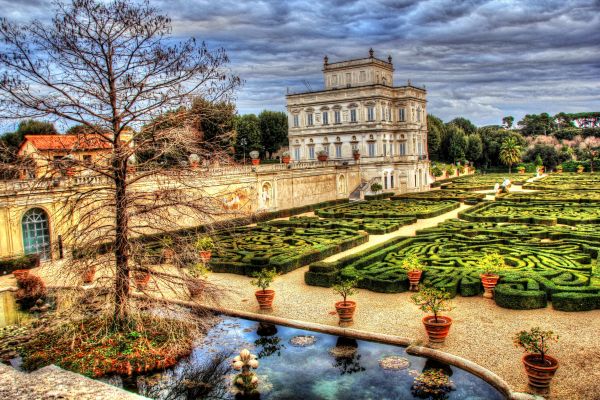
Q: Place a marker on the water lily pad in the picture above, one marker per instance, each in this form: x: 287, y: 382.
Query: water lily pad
x: 394, y: 363
x: 303, y: 340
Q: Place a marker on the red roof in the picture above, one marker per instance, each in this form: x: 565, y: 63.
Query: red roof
x: 67, y: 142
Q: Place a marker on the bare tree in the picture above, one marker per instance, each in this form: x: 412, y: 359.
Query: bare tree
x: 112, y: 68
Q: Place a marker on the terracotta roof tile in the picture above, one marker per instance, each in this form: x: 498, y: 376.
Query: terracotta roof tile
x: 67, y: 142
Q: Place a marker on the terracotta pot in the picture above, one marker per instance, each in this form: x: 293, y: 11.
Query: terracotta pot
x: 345, y: 310
x: 322, y: 158
x: 205, y: 255
x: 489, y: 282
x: 356, y: 156
x: 286, y: 160
x: 141, y: 279
x: 521, y: 171
x: 414, y: 277
x: 70, y: 171
x: 195, y: 287
x: 255, y: 161
x: 539, y: 375
x: 265, y: 298
x: 168, y: 255
x: 88, y: 275
x: 20, y: 273
x: 437, y: 331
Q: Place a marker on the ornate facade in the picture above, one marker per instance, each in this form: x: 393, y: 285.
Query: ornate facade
x: 360, y: 110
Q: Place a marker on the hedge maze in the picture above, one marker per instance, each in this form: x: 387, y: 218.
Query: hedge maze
x: 246, y: 250
x: 546, y: 263
x: 443, y: 195
x: 374, y: 226
x: 388, y: 209
x: 575, y: 196
x: 566, y: 181
x: 484, y: 182
x: 544, y: 213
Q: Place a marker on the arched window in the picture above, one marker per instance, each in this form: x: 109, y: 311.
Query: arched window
x: 36, y: 233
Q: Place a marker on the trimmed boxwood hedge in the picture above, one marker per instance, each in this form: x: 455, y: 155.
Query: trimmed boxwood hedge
x: 484, y: 181
x: 569, y: 301
x: 388, y: 209
x: 566, y: 181
x: 543, y: 213
x: 575, y: 196
x: 378, y: 196
x: 8, y: 265
x: 441, y: 195
x: 539, y: 268
x: 374, y: 226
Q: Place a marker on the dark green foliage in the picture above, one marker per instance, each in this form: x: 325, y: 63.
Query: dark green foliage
x: 544, y: 213
x: 464, y: 124
x: 575, y: 196
x: 457, y: 143
x: 273, y: 130
x: 378, y: 196
x: 441, y: 195
x: 388, y: 209
x: 247, y: 129
x: 483, y: 182
x: 374, y: 226
x: 435, y: 136
x: 8, y: 265
x: 517, y: 296
x: 474, y: 147
x: 548, y: 154
x: 567, y: 301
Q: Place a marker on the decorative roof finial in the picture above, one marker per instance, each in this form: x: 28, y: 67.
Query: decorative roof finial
x: 409, y: 83
x: 325, y: 60
x: 371, y: 52
x: 390, y: 59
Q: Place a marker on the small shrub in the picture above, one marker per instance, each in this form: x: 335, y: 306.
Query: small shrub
x: 535, y: 341
x: 432, y: 300
x: 346, y: 288
x: 31, y: 288
x: 204, y: 243
x: 263, y: 278
x: 376, y: 187
x: 493, y: 263
x: 412, y: 263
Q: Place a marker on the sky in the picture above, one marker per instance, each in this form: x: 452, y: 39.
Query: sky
x: 478, y: 59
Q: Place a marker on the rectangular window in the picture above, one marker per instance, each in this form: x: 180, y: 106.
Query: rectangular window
x: 338, y: 151
x: 309, y: 119
x: 296, y: 121
x: 420, y: 146
x: 391, y: 149
x: 334, y: 80
x: 370, y: 113
x: 325, y: 118
x: 337, y: 115
x: 401, y: 116
x: 87, y: 159
x: 326, y: 149
x: 384, y: 149
x: 297, y: 154
x: 353, y: 115
x: 363, y: 76
x: 348, y: 77
x: 371, y: 147
x: 418, y: 115
x: 402, y: 149
x: 311, y: 152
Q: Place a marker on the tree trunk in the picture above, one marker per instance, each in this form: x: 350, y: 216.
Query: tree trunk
x: 121, y: 248
x: 509, y: 166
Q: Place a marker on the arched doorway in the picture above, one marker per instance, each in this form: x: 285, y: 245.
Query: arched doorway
x: 36, y: 233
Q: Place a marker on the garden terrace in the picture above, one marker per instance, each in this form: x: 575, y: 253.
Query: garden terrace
x: 544, y: 213
x: 388, y: 209
x: 566, y: 181
x: 374, y: 226
x: 247, y: 250
x: 484, y: 182
x: 441, y: 195
x: 539, y: 270
x: 576, y: 196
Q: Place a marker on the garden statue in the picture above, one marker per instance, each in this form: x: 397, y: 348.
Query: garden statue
x: 246, y: 381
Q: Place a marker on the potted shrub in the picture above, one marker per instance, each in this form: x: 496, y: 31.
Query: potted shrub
x: 345, y: 308
x: 491, y: 264
x: 460, y: 169
x: 356, y: 154
x: 559, y: 169
x: 141, y: 277
x: 195, y: 282
x: 20, y: 273
x: 376, y: 187
x: 539, y: 366
x: 521, y: 169
x: 450, y: 170
x: 285, y: 157
x: 254, y: 154
x: 580, y: 169
x: 434, y: 301
x: 88, y: 274
x: 414, y: 269
x: 204, y: 245
x: 322, y: 155
x: 166, y: 243
x: 436, y: 171
x: 263, y: 280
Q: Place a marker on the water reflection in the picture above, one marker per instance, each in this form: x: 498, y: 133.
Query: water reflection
x: 346, y: 356
x: 268, y: 343
x: 10, y: 313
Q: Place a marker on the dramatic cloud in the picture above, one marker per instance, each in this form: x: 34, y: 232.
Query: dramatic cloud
x: 478, y: 59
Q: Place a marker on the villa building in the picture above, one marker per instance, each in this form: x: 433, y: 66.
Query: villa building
x: 361, y: 111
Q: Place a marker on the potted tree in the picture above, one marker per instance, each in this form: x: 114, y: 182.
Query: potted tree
x: 356, y: 154
x: 141, y: 277
x: 89, y: 273
x: 539, y: 366
x: 580, y: 169
x: 263, y: 280
x: 204, y: 245
x: 254, y: 154
x: 450, y: 170
x: 345, y: 308
x: 414, y: 269
x: 376, y: 187
x: 433, y: 300
x: 559, y: 169
x: 195, y: 282
x: 492, y: 264
x: 166, y: 243
x: 285, y: 157
x: 322, y: 155
x: 521, y: 169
